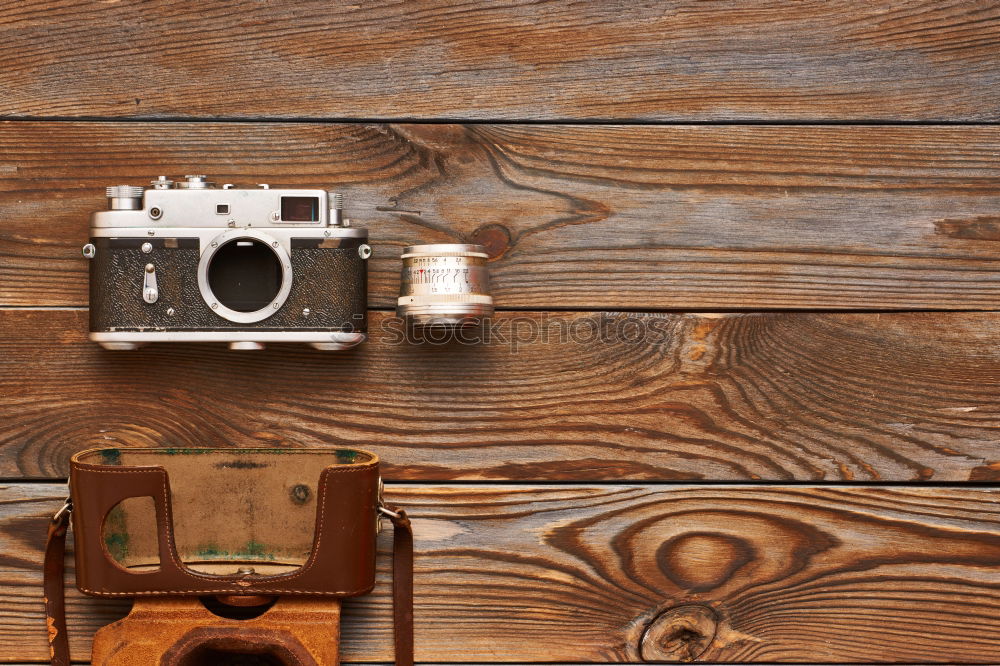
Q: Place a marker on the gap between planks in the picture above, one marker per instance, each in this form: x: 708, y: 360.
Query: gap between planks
x: 740, y: 122
x: 665, y: 485
x: 569, y: 309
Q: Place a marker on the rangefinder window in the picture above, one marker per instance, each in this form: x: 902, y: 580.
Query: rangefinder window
x: 245, y: 275
x: 299, y: 209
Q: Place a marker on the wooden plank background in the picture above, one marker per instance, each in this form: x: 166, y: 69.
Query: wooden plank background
x: 589, y: 217
x: 771, y: 229
x: 519, y: 573
x: 898, y: 397
x: 813, y: 60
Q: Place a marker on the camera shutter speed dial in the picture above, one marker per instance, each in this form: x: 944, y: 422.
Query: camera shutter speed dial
x: 195, y: 182
x: 125, y: 197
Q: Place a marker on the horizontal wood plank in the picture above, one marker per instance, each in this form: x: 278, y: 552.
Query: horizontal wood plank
x: 682, y: 60
x: 542, y: 396
x: 584, y: 217
x: 616, y: 573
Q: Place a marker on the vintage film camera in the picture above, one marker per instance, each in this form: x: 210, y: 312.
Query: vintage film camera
x: 187, y: 261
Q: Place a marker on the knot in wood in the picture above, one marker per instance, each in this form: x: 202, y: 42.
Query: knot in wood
x: 704, y: 560
x: 679, y: 634
x: 494, y: 237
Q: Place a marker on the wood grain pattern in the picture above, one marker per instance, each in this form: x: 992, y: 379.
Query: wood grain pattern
x: 576, y: 573
x: 586, y: 217
x: 578, y: 219
x: 682, y: 60
x: 567, y: 396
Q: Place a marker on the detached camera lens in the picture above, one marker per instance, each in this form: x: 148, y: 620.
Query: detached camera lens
x: 245, y: 275
x: 444, y: 285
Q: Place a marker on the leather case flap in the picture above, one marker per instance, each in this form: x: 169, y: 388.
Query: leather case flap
x: 225, y: 521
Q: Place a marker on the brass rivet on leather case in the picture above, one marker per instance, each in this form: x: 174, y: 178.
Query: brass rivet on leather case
x: 300, y: 493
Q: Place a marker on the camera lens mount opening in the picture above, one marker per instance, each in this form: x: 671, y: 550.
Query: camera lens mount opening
x: 245, y: 276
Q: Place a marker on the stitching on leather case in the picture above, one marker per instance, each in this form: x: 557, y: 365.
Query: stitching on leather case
x: 167, y: 514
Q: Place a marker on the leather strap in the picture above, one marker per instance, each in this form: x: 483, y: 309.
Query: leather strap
x: 402, y: 587
x: 55, y: 593
x: 52, y: 584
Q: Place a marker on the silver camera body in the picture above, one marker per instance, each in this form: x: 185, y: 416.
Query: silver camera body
x: 188, y: 261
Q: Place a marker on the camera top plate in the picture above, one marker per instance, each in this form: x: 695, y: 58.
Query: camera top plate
x: 196, y: 203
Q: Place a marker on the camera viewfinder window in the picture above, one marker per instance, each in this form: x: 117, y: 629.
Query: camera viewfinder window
x: 299, y: 209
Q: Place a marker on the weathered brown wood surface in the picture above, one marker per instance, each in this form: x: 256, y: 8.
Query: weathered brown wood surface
x: 688, y: 60
x: 549, y: 396
x: 581, y: 217
x: 807, y: 219
x: 626, y: 573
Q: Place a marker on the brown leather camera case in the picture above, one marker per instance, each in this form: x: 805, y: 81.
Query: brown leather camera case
x: 303, y: 520
x: 165, y: 524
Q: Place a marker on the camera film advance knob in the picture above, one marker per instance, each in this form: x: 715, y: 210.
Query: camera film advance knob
x: 125, y: 197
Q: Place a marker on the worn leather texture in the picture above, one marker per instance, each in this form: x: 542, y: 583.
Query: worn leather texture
x: 332, y: 282
x: 135, y: 481
x: 402, y: 588
x: 342, y: 558
x: 53, y: 570
x: 178, y: 631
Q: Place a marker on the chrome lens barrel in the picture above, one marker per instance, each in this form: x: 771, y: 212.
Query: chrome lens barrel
x: 444, y: 285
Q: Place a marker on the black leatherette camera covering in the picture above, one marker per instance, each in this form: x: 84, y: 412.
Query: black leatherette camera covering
x: 330, y: 282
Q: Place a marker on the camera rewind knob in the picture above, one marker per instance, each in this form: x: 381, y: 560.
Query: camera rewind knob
x: 125, y: 197
x: 337, y: 209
